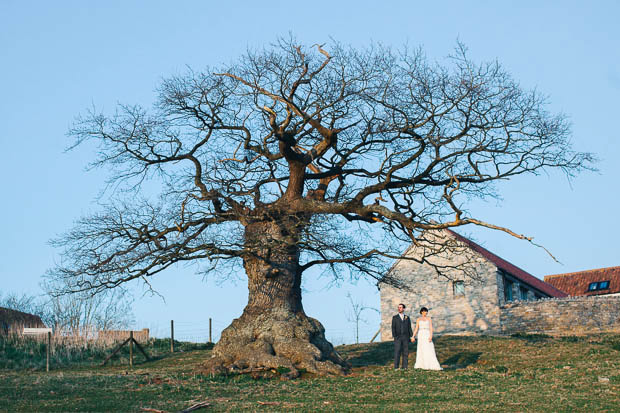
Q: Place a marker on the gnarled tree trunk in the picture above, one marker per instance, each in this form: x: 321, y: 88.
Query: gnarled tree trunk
x: 274, y: 332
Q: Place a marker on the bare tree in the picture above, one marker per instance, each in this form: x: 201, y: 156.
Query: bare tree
x: 82, y: 313
x: 24, y: 303
x: 299, y: 156
x: 355, y: 314
x: 76, y: 312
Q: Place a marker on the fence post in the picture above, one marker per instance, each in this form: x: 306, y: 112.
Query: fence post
x: 49, y: 343
x: 172, y: 336
x: 375, y: 336
x: 131, y: 348
x: 210, y: 337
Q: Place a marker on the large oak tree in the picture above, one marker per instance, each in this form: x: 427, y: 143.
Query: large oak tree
x: 300, y: 156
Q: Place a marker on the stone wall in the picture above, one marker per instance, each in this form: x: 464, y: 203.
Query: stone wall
x: 562, y: 316
x: 516, y: 289
x: 474, y: 312
x: 482, y: 306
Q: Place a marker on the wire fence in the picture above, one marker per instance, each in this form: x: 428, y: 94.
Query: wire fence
x: 198, y: 332
x: 59, y: 349
x: 347, y: 336
x: 190, y: 331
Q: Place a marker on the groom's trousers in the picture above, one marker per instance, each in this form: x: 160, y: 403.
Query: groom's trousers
x: 401, y: 349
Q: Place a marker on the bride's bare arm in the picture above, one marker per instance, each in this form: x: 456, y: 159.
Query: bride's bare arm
x: 417, y: 322
x: 430, y: 326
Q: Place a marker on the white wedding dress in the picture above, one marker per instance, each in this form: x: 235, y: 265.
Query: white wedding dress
x: 425, y: 357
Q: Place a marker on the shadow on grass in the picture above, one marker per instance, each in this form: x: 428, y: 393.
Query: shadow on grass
x: 461, y: 360
x: 532, y: 337
x: 614, y: 344
x: 374, y: 354
x: 382, y: 354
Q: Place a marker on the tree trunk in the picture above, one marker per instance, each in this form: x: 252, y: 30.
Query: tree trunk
x: 274, y: 333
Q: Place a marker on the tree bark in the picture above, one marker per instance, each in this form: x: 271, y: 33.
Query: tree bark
x: 274, y: 333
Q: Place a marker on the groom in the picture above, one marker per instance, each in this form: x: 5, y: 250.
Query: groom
x: 401, y: 331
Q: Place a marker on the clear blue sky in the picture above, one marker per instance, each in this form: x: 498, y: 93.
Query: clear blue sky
x: 59, y: 58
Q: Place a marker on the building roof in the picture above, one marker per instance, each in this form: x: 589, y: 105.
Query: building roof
x: 504, y: 265
x: 9, y: 317
x: 512, y: 269
x: 576, y: 283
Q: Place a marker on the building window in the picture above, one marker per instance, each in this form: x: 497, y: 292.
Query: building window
x: 508, y: 289
x: 523, y: 293
x: 459, y: 287
x: 599, y: 285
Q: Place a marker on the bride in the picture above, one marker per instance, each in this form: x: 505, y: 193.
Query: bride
x: 425, y: 357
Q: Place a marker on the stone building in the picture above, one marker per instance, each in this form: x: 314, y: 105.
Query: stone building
x: 598, y: 282
x: 459, y: 304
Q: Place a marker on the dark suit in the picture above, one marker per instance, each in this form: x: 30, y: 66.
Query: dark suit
x: 402, y: 332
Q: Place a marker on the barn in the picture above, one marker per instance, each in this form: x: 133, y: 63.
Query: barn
x: 459, y: 304
x: 16, y: 321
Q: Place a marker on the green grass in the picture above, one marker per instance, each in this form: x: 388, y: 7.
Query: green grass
x: 521, y: 373
x: 24, y: 353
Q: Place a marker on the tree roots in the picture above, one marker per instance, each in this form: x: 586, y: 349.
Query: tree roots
x: 276, y: 340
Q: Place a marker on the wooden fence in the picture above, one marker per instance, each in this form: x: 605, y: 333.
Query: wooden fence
x: 122, y: 335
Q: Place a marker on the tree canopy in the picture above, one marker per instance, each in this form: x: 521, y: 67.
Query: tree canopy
x: 298, y: 156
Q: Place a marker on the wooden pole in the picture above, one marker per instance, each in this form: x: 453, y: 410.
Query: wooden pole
x: 49, y: 344
x: 115, y: 351
x: 210, y: 329
x: 131, y: 340
x: 139, y: 347
x: 375, y: 336
x: 131, y: 348
x: 172, y: 336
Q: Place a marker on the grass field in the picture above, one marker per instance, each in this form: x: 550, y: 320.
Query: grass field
x: 23, y: 353
x: 525, y: 373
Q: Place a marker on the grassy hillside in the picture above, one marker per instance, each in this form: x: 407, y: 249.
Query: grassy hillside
x: 23, y: 353
x: 527, y: 373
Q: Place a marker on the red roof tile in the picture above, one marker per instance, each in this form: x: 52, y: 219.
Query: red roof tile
x: 576, y: 283
x: 511, y: 268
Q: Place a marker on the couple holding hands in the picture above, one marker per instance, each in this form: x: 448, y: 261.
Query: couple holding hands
x: 401, y: 331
